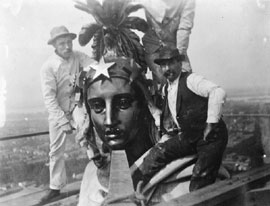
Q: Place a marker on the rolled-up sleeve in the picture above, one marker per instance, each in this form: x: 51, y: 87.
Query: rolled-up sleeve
x: 49, y: 91
x: 205, y: 88
x: 185, y: 25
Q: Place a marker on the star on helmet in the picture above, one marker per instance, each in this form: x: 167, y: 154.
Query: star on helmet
x: 101, y: 68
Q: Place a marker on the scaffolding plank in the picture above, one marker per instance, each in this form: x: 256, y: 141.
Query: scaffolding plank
x: 33, y: 198
x: 259, y: 197
x: 229, y: 191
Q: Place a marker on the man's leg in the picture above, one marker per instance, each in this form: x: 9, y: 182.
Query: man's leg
x: 159, y: 156
x: 209, y: 160
x: 57, y: 163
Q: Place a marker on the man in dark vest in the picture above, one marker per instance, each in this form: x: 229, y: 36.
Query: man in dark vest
x: 191, y: 123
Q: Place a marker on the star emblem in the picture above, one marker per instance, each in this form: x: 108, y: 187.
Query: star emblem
x: 101, y: 68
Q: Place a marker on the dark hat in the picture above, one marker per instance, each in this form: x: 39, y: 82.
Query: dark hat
x: 167, y: 53
x: 60, y: 31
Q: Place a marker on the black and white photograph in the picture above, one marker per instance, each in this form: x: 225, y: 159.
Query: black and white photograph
x: 134, y: 102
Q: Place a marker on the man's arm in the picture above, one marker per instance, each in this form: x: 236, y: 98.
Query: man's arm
x: 216, y: 98
x: 48, y: 85
x: 205, y: 88
x: 185, y: 25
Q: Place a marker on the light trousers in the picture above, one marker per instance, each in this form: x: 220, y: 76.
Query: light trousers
x: 58, y: 138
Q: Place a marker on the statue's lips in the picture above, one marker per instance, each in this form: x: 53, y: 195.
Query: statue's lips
x: 113, y: 134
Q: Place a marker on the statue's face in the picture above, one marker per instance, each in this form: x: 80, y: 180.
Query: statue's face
x: 114, y: 111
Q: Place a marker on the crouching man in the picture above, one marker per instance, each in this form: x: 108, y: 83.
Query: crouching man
x: 191, y: 120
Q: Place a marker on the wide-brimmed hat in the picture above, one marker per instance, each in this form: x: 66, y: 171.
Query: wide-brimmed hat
x: 166, y: 53
x: 60, y: 31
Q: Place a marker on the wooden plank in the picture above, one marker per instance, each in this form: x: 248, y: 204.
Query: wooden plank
x: 33, y: 198
x: 227, y: 191
x: 258, y: 197
x: 69, y: 201
x: 15, y: 198
x: 120, y: 183
x: 19, y: 192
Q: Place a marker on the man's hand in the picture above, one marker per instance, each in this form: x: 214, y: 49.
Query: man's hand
x: 209, y: 127
x: 66, y: 128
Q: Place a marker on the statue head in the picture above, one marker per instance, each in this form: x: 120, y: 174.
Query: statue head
x: 117, y: 104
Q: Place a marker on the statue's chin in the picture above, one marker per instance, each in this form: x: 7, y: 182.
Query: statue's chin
x: 116, y: 144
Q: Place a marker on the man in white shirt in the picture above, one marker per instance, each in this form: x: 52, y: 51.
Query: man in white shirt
x: 191, y: 120
x: 58, y: 75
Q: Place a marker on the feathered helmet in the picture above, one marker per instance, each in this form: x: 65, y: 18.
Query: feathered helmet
x: 116, y: 48
x: 113, y: 40
x: 111, y: 34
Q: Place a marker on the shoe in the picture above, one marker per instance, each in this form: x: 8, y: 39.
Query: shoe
x: 51, y: 196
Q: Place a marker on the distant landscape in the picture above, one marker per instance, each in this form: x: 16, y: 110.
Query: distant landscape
x: 252, y: 94
x: 24, y: 162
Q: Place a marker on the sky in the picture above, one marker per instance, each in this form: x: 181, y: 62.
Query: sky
x: 229, y: 45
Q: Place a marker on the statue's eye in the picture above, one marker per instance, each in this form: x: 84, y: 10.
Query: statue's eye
x: 123, y: 102
x: 98, y: 105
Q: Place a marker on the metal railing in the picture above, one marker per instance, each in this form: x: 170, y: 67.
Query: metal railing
x: 23, y: 136
x: 247, y: 115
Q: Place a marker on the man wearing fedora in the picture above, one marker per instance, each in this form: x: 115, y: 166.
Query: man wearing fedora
x: 58, y: 87
x: 191, y: 123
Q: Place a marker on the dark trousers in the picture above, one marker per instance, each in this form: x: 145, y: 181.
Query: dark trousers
x: 209, y: 155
